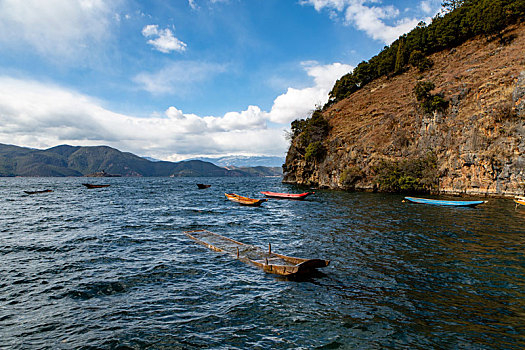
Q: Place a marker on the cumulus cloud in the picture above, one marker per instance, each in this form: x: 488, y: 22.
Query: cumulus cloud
x: 298, y: 103
x: 426, y: 7
x: 163, y: 39
x: 378, y: 22
x: 177, y: 77
x: 64, y: 29
x: 41, y: 115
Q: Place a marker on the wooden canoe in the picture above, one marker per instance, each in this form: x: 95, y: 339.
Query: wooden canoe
x: 36, y: 192
x: 203, y: 186
x: 299, y: 196
x: 245, y: 200
x: 266, y: 260
x: 95, y: 186
x: 519, y: 200
x: 444, y: 202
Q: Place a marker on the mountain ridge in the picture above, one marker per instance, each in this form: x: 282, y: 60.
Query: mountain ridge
x: 66, y: 160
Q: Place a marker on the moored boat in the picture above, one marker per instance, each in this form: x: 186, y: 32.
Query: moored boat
x: 519, y: 200
x: 245, y: 200
x: 298, y: 196
x: 444, y: 202
x: 95, y: 186
x: 37, y: 192
x: 203, y: 186
x: 266, y: 260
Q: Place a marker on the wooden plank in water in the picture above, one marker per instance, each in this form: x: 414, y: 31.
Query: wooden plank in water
x: 266, y: 260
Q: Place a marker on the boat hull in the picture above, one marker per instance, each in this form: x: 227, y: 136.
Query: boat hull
x: 95, y: 186
x: 37, y: 192
x: 297, y: 196
x: 444, y: 202
x: 245, y: 200
x: 265, y: 260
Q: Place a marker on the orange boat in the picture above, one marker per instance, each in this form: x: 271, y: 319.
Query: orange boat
x: 245, y: 200
x: 519, y: 200
x: 299, y: 196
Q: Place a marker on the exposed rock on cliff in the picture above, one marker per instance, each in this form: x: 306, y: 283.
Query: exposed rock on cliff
x: 477, y: 141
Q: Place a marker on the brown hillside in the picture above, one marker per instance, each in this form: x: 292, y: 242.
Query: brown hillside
x: 479, y: 140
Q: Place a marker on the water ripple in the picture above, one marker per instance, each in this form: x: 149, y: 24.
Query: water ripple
x: 111, y: 268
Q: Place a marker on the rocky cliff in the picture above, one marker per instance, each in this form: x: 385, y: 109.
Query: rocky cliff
x: 476, y: 141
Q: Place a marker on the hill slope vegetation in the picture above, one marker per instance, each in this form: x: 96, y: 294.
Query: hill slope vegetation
x: 68, y: 160
x: 456, y: 126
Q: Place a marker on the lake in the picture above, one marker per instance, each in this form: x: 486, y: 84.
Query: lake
x: 111, y: 268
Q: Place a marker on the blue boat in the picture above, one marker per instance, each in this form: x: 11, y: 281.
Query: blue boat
x: 443, y: 202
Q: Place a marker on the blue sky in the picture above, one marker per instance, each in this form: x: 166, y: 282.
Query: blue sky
x: 182, y: 78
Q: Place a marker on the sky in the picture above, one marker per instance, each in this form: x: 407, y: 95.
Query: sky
x: 177, y: 79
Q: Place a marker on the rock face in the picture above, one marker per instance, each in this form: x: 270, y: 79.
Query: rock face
x: 478, y: 140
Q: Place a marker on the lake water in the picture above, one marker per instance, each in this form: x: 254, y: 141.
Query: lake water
x: 111, y: 268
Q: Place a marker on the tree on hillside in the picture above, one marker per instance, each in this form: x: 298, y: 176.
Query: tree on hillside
x: 459, y: 21
x: 451, y: 5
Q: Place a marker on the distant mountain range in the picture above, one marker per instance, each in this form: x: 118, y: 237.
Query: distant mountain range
x: 68, y: 160
x: 245, y: 161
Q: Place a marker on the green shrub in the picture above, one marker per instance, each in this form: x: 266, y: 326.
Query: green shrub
x: 350, y: 176
x: 412, y: 175
x: 422, y: 90
x: 314, y: 151
x: 429, y: 102
x: 436, y: 103
x: 417, y: 59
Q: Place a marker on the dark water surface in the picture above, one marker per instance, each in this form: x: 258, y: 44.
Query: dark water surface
x: 109, y: 268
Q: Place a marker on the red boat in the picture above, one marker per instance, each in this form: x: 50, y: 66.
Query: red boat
x: 299, y: 196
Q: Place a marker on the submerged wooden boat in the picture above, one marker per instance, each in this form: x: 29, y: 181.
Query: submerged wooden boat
x: 245, y: 200
x: 299, y: 196
x: 95, y: 186
x: 203, y: 186
x: 37, y: 192
x: 266, y: 260
x: 444, y: 202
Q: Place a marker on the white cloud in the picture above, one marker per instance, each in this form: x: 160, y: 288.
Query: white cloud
x: 163, y: 41
x: 177, y: 77
x: 192, y: 4
x: 41, y: 115
x: 370, y: 20
x: 373, y: 20
x: 56, y: 29
x: 299, y: 103
x: 426, y: 7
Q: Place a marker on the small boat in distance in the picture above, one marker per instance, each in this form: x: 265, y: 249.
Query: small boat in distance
x: 203, y: 186
x: 95, y: 186
x: 36, y: 192
x: 519, y: 200
x: 299, y: 196
x: 102, y: 173
x: 266, y: 260
x: 444, y: 202
x: 245, y: 200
